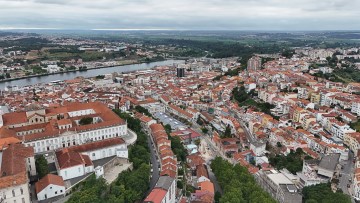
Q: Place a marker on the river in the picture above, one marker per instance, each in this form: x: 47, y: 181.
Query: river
x: 86, y: 74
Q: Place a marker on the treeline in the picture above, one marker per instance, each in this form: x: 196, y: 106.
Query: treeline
x: 244, y: 99
x: 221, y: 49
x: 346, y: 74
x: 25, y: 44
x: 176, y: 146
x: 238, y: 184
x: 292, y: 162
x: 130, y: 186
x: 322, y: 193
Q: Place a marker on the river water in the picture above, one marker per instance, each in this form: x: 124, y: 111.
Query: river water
x: 86, y: 74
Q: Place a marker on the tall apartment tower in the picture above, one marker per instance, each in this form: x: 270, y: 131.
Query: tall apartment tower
x: 254, y: 63
x: 180, y: 72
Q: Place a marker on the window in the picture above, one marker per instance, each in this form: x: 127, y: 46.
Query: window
x: 55, y: 192
x: 23, y: 200
x: 13, y: 193
x: 21, y: 191
x: 61, y: 191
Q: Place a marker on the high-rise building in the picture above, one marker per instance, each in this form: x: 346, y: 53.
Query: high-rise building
x: 254, y: 63
x: 180, y: 72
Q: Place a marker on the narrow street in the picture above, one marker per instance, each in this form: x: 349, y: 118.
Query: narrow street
x: 154, y: 164
x: 346, y: 174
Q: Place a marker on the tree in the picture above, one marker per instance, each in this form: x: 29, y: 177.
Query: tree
x: 168, y: 128
x: 179, y: 184
x: 86, y: 121
x: 278, y: 144
x: 237, y: 184
x: 204, y: 130
x: 41, y: 166
x: 199, y: 121
x: 288, y: 53
x: 197, y: 142
x: 322, y: 193
x: 227, y: 133
x: 142, y: 110
x: 217, y: 197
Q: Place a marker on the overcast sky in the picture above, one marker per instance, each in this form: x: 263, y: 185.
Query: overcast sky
x: 182, y: 14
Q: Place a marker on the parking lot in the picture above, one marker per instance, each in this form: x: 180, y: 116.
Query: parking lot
x: 166, y: 119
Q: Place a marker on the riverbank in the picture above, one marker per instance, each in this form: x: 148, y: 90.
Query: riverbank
x: 70, y: 71
x: 91, y: 72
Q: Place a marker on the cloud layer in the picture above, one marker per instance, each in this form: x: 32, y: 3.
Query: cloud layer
x: 182, y: 14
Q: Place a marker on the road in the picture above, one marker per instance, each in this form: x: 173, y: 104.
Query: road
x: 154, y: 163
x: 346, y: 174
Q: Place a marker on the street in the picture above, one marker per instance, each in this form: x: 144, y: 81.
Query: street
x: 346, y: 175
x: 154, y: 163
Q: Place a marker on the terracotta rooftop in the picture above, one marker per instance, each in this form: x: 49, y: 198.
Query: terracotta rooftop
x: 67, y: 158
x: 97, y: 145
x: 47, y: 180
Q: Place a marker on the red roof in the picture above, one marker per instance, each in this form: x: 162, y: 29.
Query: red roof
x: 97, y: 145
x: 47, y: 180
x: 156, y: 196
x: 67, y: 159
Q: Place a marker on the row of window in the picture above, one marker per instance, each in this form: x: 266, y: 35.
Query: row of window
x: 48, y: 145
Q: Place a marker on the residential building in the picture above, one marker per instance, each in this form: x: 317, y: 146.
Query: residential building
x: 16, y: 163
x: 70, y: 164
x: 163, y: 192
x: 49, y: 186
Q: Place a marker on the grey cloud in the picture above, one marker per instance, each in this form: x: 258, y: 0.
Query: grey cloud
x: 181, y: 14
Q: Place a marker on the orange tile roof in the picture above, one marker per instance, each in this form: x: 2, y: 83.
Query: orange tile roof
x: 97, y: 145
x: 156, y: 196
x: 13, y: 166
x: 67, y: 159
x: 47, y: 180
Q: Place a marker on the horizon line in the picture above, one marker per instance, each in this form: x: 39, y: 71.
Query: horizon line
x: 166, y: 29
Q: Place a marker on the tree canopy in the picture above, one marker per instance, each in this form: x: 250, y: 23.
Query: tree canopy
x: 292, y: 162
x: 322, y: 193
x: 86, y: 121
x: 41, y: 166
x: 238, y: 184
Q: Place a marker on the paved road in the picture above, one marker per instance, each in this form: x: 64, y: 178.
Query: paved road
x: 155, y: 164
x: 214, y: 180
x: 249, y: 136
x: 346, y: 174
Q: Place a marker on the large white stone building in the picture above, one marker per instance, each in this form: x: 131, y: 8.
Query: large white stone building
x: 60, y: 127
x: 76, y: 161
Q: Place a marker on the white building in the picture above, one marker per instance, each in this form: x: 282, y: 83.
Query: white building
x: 103, y: 149
x: 258, y: 148
x: 52, y: 68
x: 15, y: 166
x: 72, y: 164
x: 340, y: 129
x: 355, y: 107
x: 55, y: 128
x: 49, y: 186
